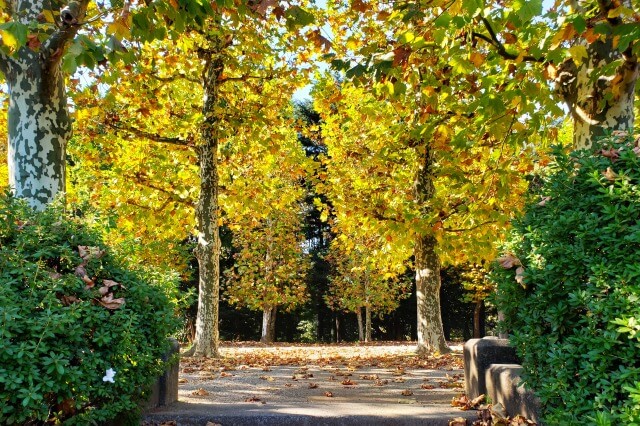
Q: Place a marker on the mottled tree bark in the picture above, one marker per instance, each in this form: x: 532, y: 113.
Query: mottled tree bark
x: 427, y: 264
x: 367, y: 323
x: 269, y: 324
x: 360, y: 324
x: 600, y: 103
x: 39, y: 125
x: 206, y: 342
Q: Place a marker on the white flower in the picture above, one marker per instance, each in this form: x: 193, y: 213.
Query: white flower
x: 109, y: 376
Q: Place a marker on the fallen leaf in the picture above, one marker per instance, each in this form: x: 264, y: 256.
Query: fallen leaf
x: 254, y: 399
x: 458, y: 421
x: 369, y: 376
x: 312, y: 386
x: 380, y: 382
x: 348, y: 382
x: 213, y: 424
x: 68, y: 300
x: 427, y: 386
x: 267, y: 378
x: 110, y: 303
x: 611, y: 153
x: 328, y: 394
x: 182, y: 381
x: 399, y: 380
x: 508, y: 261
x: 407, y: 392
x: 520, y: 276
x: 225, y: 374
x: 609, y: 174
x: 544, y: 201
x: 200, y: 392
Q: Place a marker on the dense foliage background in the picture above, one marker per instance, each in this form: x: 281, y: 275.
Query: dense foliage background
x: 568, y: 286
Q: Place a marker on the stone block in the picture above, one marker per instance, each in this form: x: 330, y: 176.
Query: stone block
x: 504, y: 386
x: 165, y: 389
x: 479, y: 354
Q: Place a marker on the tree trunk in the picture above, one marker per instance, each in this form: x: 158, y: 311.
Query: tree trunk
x: 427, y: 265
x: 599, y: 104
x: 360, y: 326
x: 39, y: 125
x: 269, y: 324
x: 477, y: 319
x: 367, y: 334
x: 206, y: 343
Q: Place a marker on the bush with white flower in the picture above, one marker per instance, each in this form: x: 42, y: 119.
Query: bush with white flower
x: 81, y: 332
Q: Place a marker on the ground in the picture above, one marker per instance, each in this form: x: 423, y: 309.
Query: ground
x: 385, y: 383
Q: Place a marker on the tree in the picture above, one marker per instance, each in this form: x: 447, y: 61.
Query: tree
x: 363, y: 281
x: 43, y: 41
x: 236, y: 52
x: 264, y: 208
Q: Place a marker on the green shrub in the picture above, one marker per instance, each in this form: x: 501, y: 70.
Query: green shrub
x: 573, y: 318
x: 69, y: 312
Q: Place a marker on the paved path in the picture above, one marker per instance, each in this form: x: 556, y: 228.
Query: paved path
x: 314, y: 394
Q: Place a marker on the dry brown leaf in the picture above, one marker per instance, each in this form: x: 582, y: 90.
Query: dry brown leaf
x: 267, y: 378
x: 348, y: 382
x: 381, y: 382
x: 399, y: 380
x: 609, y: 174
x: 110, y: 303
x: 328, y: 394
x: 312, y: 386
x: 182, y: 381
x: 407, y: 392
x: 213, y: 424
x: 254, y: 399
x: 611, y: 153
x: 427, y: 386
x: 508, y: 261
x: 458, y: 421
x: 200, y: 392
x: 544, y: 201
x: 369, y: 376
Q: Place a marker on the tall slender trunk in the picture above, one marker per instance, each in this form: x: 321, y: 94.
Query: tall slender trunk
x: 427, y: 265
x: 206, y: 343
x: 367, y: 322
x: 39, y: 128
x: 39, y: 125
x: 477, y: 319
x: 269, y: 324
x: 360, y: 325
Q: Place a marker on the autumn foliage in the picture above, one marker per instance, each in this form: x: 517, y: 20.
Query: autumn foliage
x: 82, y: 335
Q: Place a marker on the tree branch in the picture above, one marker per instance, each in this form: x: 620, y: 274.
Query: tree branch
x: 175, y: 77
x: 245, y: 77
x: 494, y: 41
x: 70, y: 16
x: 154, y: 137
x: 469, y: 229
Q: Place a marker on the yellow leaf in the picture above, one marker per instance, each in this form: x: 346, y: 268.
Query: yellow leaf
x: 46, y: 14
x: 9, y: 39
x: 578, y: 53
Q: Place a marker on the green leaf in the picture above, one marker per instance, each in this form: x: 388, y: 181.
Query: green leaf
x: 527, y: 9
x: 298, y: 17
x: 14, y: 34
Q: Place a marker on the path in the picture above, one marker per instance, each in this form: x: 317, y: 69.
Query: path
x: 381, y: 384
